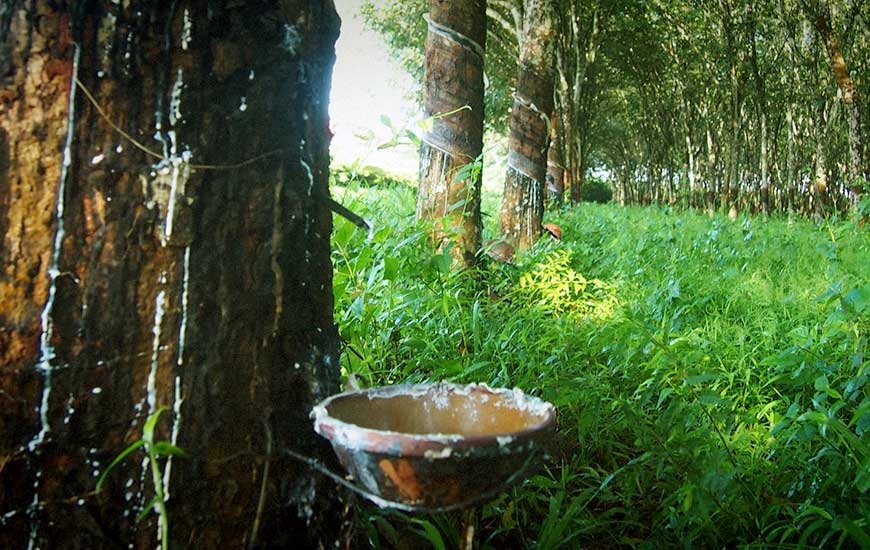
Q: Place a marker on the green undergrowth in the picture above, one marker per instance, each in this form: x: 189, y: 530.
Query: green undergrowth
x: 710, y: 375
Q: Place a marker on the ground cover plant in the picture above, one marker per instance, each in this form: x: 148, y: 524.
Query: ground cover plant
x: 710, y: 374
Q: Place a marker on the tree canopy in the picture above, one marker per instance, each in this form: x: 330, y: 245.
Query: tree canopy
x: 734, y: 103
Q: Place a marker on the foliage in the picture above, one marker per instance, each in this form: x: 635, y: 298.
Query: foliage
x: 596, y: 190
x: 708, y: 104
x: 366, y: 176
x: 153, y: 450
x: 710, y: 375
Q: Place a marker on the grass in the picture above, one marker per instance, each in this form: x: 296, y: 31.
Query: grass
x: 710, y: 375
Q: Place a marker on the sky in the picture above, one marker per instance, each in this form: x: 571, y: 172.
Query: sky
x: 367, y: 84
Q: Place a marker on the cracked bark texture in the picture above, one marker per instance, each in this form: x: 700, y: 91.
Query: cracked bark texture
x: 453, y: 79
x: 204, y: 290
x: 522, y: 206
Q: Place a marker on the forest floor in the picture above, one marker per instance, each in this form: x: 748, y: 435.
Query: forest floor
x: 710, y: 375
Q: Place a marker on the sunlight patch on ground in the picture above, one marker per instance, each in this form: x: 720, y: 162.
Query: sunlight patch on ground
x: 555, y: 286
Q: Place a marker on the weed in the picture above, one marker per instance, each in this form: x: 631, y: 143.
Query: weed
x: 710, y: 375
x: 154, y: 450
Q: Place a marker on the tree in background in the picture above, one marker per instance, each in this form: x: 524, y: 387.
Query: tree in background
x: 522, y: 205
x: 555, y: 168
x: 163, y: 186
x: 450, y: 178
x: 704, y: 104
x: 819, y: 12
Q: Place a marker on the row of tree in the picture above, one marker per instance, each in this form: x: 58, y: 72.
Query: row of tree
x: 451, y: 149
x: 731, y: 104
x: 753, y: 105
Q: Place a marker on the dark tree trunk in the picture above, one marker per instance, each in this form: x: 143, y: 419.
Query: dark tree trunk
x: 453, y: 93
x: 194, y: 277
x: 522, y: 207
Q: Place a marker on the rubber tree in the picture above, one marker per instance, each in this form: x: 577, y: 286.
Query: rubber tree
x: 450, y: 177
x: 819, y: 13
x: 555, y: 168
x: 522, y: 206
x: 165, y: 226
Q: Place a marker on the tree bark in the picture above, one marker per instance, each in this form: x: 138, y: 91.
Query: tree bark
x: 453, y: 94
x: 761, y: 92
x: 729, y: 196
x: 195, y: 276
x: 576, y: 52
x: 555, y: 169
x: 849, y: 96
x: 522, y: 206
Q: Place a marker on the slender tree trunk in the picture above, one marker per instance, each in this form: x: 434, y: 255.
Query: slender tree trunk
x: 761, y: 92
x: 848, y: 94
x: 791, y: 158
x: 576, y: 55
x: 555, y: 169
x: 691, y: 163
x: 453, y: 93
x: 712, y: 160
x: 819, y: 185
x: 522, y: 206
x: 137, y: 280
x: 730, y: 192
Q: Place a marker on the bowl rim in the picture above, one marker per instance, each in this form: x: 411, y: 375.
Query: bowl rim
x: 354, y: 437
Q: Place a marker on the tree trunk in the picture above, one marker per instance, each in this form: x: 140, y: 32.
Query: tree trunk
x: 761, y: 92
x: 849, y: 96
x: 729, y: 195
x: 522, y: 206
x: 555, y: 169
x: 449, y: 193
x: 194, y: 276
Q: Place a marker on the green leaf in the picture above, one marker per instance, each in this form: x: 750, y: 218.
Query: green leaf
x: 863, y: 409
x: 708, y: 397
x: 443, y: 262
x: 809, y: 530
x: 387, y: 529
x: 165, y: 448
x: 813, y: 416
x: 147, y: 510
x: 809, y: 509
x: 426, y: 124
x: 664, y: 395
x: 456, y: 205
x: 687, y: 499
x: 700, y: 379
x: 431, y: 534
x: 859, y: 535
x: 391, y: 268
x: 121, y: 456
x: 388, y: 144
x: 150, y: 424
x: 476, y: 366
x: 413, y: 137
x: 475, y: 320
x: 385, y: 120
x: 858, y: 299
